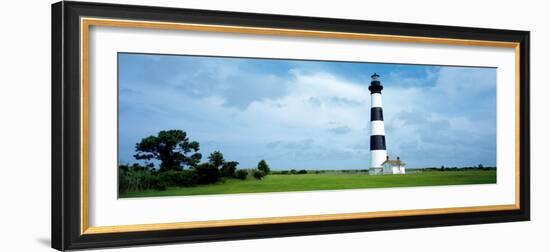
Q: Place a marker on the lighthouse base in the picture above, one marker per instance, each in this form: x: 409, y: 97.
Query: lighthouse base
x: 376, y: 170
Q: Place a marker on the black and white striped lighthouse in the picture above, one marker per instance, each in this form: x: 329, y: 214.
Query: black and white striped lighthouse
x: 378, y: 153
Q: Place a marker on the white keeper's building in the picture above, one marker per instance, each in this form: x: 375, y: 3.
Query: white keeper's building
x: 389, y: 167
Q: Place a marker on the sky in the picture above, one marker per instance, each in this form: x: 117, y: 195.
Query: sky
x: 300, y: 114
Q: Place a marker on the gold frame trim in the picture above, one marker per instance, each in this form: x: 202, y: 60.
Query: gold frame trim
x: 85, y: 24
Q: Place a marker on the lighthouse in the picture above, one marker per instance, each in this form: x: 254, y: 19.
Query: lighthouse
x: 378, y: 153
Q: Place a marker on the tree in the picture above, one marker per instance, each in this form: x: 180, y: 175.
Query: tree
x: 216, y: 159
x: 263, y: 167
x: 228, y: 168
x: 171, y: 147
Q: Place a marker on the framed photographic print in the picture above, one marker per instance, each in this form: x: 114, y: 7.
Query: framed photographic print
x: 180, y: 125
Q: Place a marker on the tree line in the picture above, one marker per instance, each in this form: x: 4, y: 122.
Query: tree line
x: 179, y: 165
x: 478, y: 167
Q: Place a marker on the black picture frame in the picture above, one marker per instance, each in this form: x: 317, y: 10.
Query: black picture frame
x: 66, y: 125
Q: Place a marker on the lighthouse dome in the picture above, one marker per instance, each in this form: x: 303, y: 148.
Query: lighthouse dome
x: 375, y: 86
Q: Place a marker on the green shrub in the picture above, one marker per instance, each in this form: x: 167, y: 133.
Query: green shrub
x: 183, y: 178
x: 207, y: 173
x: 292, y: 171
x: 123, y: 167
x: 138, y: 178
x: 123, y: 181
x: 138, y: 167
x: 160, y: 187
x: 154, y: 182
x: 170, y: 177
x: 284, y: 172
x: 188, y: 178
x: 302, y: 172
x: 258, y: 174
x: 241, y: 174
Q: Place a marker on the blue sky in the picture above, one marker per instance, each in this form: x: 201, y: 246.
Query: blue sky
x: 308, y: 114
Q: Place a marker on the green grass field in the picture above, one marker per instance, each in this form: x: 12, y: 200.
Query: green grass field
x: 326, y: 181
